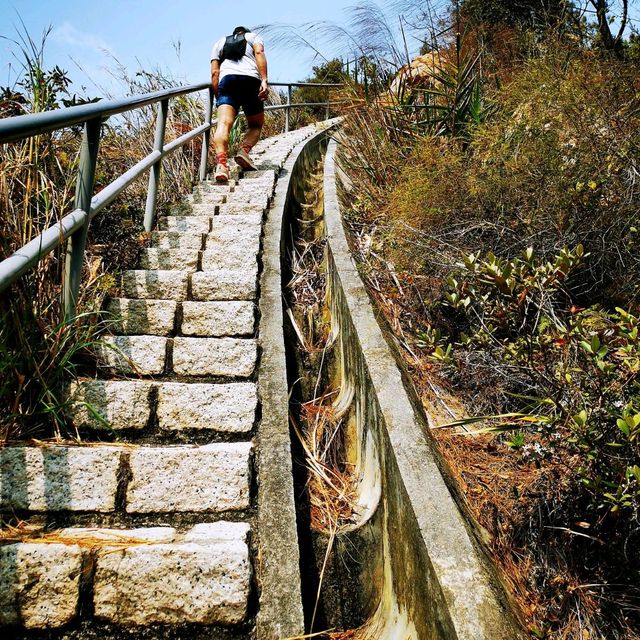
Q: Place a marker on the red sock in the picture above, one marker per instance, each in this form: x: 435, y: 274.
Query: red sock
x: 222, y: 158
x: 246, y: 146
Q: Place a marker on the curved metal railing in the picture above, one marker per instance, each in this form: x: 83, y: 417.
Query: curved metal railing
x: 73, y: 227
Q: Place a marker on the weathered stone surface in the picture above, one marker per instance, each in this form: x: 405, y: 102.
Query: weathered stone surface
x: 209, y: 204
x: 233, y: 357
x: 162, y: 285
x: 57, y: 478
x: 241, y: 222
x: 215, y: 196
x: 211, y: 190
x: 136, y: 316
x: 39, y: 584
x: 221, y: 530
x: 254, y: 192
x: 119, y: 404
x: 267, y: 176
x: 210, y: 478
x: 237, y: 254
x: 223, y: 407
x: 228, y: 318
x: 176, y: 240
x: 173, y: 583
x: 225, y: 284
x: 100, y: 536
x: 178, y: 259
x: 241, y: 208
x: 227, y: 229
x: 189, y: 224
x: 143, y: 355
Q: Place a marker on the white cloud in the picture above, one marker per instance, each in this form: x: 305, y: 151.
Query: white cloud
x: 68, y: 34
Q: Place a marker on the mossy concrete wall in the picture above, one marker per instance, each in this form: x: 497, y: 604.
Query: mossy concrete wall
x: 426, y: 576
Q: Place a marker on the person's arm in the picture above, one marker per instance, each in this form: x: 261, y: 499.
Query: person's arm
x: 261, y: 63
x: 215, y: 75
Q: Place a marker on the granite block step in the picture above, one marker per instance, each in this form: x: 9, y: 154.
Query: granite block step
x: 177, y: 259
x: 133, y: 355
x: 226, y: 408
x: 109, y: 404
x: 186, y: 224
x: 143, y: 576
x: 210, y: 478
x: 149, y: 479
x: 162, y: 284
x: 226, y: 357
x: 216, y: 319
x: 133, y: 316
x: 176, y: 240
x: 225, y: 284
x: 230, y: 255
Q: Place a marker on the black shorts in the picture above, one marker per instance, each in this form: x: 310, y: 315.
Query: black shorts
x: 240, y: 91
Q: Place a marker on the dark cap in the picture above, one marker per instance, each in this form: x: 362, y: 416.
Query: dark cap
x: 238, y: 30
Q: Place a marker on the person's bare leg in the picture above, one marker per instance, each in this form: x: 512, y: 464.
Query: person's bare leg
x: 251, y: 137
x: 254, y: 129
x: 226, y: 117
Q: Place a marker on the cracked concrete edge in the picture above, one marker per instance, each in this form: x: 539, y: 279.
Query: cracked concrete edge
x: 278, y: 568
x: 442, y: 526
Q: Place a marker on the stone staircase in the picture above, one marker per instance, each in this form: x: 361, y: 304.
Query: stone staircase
x: 151, y: 520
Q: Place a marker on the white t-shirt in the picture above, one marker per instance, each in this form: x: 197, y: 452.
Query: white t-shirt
x: 246, y: 66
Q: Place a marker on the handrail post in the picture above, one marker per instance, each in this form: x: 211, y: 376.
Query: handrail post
x: 287, y: 110
x: 154, y: 174
x: 206, y: 136
x: 76, y: 244
x: 326, y: 112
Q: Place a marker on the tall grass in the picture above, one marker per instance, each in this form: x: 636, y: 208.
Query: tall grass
x: 38, y: 351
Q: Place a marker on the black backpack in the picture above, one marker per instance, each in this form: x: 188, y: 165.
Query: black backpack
x: 234, y: 47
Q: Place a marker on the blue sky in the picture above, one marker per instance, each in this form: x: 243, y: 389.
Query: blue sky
x: 86, y: 36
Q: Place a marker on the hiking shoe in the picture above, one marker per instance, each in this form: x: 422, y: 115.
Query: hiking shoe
x: 222, y: 173
x: 245, y: 161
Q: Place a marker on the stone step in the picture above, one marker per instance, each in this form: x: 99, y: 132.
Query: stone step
x: 155, y: 284
x: 177, y: 259
x: 230, y: 254
x: 142, y: 576
x: 229, y: 357
x: 262, y: 175
x: 207, y: 207
x: 187, y: 224
x: 228, y: 231
x: 240, y: 284
x: 228, y: 408
x: 108, y: 404
x: 228, y: 318
x: 213, y: 477
x: 138, y: 316
x: 127, y: 404
x: 176, y: 240
x: 241, y: 208
x: 209, y: 199
x: 238, y: 221
x: 212, y: 189
x: 132, y: 355
x: 148, y: 479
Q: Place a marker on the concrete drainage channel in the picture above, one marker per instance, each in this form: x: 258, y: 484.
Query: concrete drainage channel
x: 385, y: 552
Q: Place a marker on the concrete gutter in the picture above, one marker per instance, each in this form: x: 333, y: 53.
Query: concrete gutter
x: 440, y: 578
x: 278, y: 566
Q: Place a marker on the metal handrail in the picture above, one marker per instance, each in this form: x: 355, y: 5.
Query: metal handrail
x: 73, y: 227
